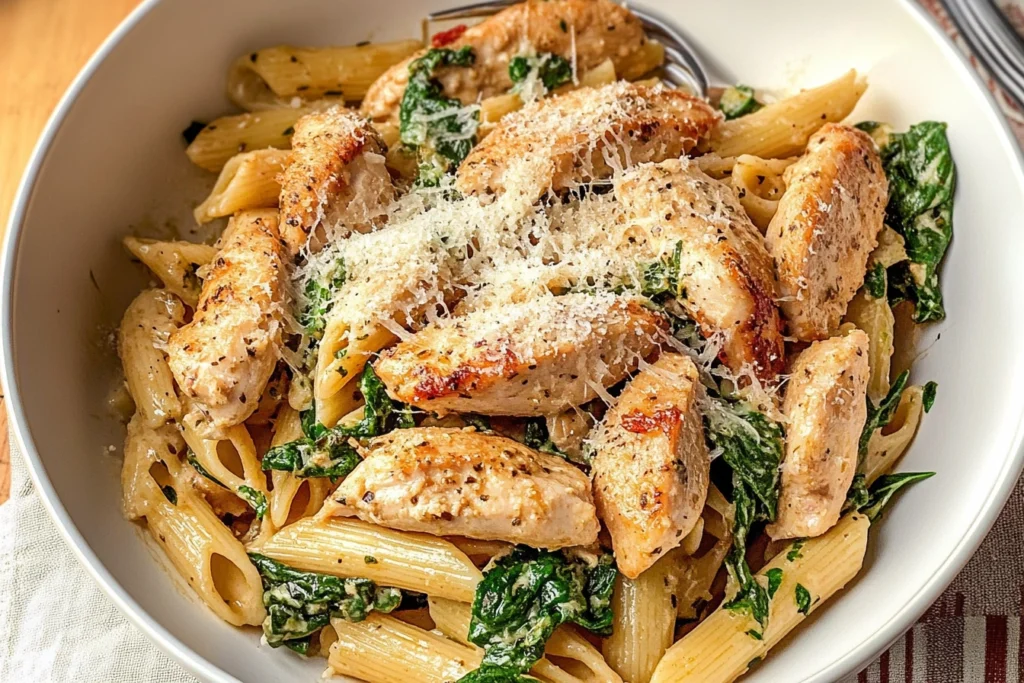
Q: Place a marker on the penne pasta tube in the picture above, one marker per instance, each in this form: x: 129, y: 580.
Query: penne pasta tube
x: 720, y: 649
x: 385, y: 649
x: 247, y: 181
x: 645, y: 620
x: 339, y: 547
x: 782, y: 129
x: 230, y: 135
x: 340, y: 362
x: 176, y: 263
x: 150, y: 319
x: 641, y: 62
x: 888, y: 444
x: 274, y: 76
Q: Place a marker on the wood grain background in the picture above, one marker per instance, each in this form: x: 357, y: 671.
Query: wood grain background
x: 43, y: 44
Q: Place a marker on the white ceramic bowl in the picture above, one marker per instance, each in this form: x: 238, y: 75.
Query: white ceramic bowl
x: 112, y: 159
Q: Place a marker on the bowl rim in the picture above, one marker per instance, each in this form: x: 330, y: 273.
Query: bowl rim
x: 861, y: 654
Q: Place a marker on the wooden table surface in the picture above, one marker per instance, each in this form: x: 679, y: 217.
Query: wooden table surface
x: 43, y: 44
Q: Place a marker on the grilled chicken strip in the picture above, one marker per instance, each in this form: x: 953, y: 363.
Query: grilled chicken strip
x: 696, y: 226
x: 826, y: 226
x: 461, y: 482
x: 539, y: 357
x: 584, y: 135
x: 651, y: 464
x: 336, y: 178
x: 826, y: 407
x: 224, y: 357
x: 597, y: 29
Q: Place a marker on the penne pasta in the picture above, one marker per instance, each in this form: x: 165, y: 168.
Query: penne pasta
x: 144, y: 448
x: 889, y: 443
x: 291, y: 498
x: 340, y: 361
x: 177, y: 264
x: 247, y: 181
x: 645, y: 620
x: 228, y: 136
x: 639, y: 63
x: 141, y: 340
x: 274, y: 76
x: 720, y: 649
x: 339, y: 547
x: 876, y: 319
x: 232, y: 461
x: 759, y: 184
x: 385, y: 649
x: 782, y: 129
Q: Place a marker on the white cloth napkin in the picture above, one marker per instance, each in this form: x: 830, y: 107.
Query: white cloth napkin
x: 55, y: 622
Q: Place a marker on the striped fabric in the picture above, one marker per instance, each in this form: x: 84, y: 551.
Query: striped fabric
x: 972, y: 634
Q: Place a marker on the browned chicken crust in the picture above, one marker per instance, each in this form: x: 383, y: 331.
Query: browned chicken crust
x: 559, y: 142
x: 725, y: 273
x: 826, y: 226
x: 336, y: 178
x: 651, y: 465
x: 461, y: 482
x: 826, y: 408
x: 224, y: 357
x: 600, y: 29
x: 539, y: 357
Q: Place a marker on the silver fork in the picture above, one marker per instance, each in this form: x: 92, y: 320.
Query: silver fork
x: 682, y: 65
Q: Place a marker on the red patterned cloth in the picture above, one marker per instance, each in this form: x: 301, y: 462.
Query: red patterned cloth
x: 972, y: 634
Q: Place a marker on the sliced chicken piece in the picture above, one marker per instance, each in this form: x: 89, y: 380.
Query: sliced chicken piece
x: 539, y: 357
x: 651, y: 464
x: 826, y: 225
x: 336, y: 178
x: 585, y: 135
x: 826, y: 407
x: 464, y: 483
x: 592, y: 30
x: 224, y: 357
x: 725, y: 279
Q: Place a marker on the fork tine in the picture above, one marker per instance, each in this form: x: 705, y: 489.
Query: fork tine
x: 682, y: 67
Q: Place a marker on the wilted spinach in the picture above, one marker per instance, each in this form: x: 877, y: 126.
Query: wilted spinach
x: 526, y: 595
x: 319, y: 299
x: 551, y: 69
x: 439, y: 129
x: 881, y: 415
x: 922, y: 181
x: 300, y: 603
x: 738, y: 101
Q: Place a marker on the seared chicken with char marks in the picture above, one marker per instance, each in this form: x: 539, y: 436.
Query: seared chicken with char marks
x: 582, y: 136
x: 336, y: 179
x: 725, y: 280
x: 590, y: 30
x: 826, y: 407
x: 651, y: 464
x: 461, y: 482
x: 826, y: 226
x: 539, y: 357
x: 223, y: 359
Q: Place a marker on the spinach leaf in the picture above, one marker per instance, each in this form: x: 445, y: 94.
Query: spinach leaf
x: 380, y: 414
x: 794, y: 553
x: 885, y: 488
x: 489, y: 673
x: 300, y: 603
x: 170, y: 494
x: 660, y: 279
x: 194, y: 461
x: 928, y: 396
x: 738, y: 101
x: 751, y: 445
x: 774, y: 576
x: 875, y: 281
x: 551, y: 69
x: 528, y: 593
x: 319, y: 299
x: 324, y: 452
x: 881, y: 415
x: 537, y: 437
x: 922, y: 180
x: 438, y: 128
x: 254, y: 499
x: 329, y: 456
x: 858, y: 495
x: 803, y: 600
x: 299, y: 646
